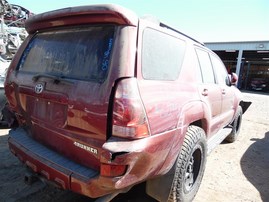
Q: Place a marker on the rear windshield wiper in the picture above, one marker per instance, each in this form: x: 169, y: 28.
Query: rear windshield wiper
x: 56, y: 79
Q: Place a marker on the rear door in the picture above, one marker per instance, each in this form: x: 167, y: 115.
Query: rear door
x: 63, y: 90
x: 227, y: 93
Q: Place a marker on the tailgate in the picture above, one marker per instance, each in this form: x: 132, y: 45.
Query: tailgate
x: 62, y: 91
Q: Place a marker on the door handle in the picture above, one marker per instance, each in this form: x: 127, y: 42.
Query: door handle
x: 205, y: 92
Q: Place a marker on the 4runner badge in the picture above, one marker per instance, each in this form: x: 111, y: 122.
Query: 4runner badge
x: 39, y: 88
x: 87, y: 148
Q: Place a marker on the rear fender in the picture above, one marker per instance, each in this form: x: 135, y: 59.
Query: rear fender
x: 195, y: 112
x: 191, y: 113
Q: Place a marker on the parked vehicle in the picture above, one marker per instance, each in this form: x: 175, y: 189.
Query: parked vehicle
x: 259, y: 84
x: 106, y: 100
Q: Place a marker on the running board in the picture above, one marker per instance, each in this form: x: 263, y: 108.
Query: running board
x: 216, y: 139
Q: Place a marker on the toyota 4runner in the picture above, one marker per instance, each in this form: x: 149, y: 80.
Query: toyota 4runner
x: 106, y: 100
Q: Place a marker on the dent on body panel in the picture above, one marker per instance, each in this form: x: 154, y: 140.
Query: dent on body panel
x: 167, y: 114
x: 166, y: 104
x: 190, y: 113
x: 136, y: 152
x: 161, y: 106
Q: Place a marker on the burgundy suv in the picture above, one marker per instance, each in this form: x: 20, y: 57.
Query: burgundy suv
x: 106, y: 100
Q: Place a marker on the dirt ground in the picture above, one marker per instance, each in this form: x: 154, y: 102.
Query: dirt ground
x: 234, y: 172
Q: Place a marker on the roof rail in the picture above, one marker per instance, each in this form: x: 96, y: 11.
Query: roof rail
x: 168, y: 27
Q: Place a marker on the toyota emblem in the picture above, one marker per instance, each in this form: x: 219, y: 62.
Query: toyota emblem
x: 39, y: 88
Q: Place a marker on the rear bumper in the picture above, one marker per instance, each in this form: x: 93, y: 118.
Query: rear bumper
x: 145, y: 158
x: 48, y: 163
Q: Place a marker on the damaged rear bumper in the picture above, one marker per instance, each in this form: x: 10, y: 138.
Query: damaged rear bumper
x: 145, y: 158
x: 65, y: 173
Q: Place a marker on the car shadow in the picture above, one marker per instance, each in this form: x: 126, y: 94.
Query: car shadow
x: 255, y: 165
x: 136, y: 194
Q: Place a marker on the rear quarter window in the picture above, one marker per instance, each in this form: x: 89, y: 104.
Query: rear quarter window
x: 78, y: 53
x: 162, y: 55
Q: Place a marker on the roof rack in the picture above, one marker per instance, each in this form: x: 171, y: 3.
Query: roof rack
x: 168, y: 27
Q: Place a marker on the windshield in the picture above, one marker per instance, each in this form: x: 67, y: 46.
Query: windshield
x: 78, y: 53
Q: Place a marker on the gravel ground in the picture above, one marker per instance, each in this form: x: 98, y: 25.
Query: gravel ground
x: 234, y: 172
x: 240, y: 171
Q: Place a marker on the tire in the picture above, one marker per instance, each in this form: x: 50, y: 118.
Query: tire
x: 236, y: 125
x: 190, y: 166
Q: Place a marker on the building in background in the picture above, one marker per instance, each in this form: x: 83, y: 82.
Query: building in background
x: 249, y: 60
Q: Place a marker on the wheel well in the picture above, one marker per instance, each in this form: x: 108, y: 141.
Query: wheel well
x: 200, y: 123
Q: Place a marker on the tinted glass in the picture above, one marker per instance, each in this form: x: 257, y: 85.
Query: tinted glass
x: 82, y: 53
x: 162, y: 55
x: 206, y: 66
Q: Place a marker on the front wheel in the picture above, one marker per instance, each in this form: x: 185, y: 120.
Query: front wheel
x: 190, y: 166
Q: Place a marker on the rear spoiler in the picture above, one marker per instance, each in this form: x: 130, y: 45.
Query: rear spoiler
x: 102, y: 13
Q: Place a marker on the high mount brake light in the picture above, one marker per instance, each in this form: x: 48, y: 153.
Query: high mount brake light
x: 129, y: 116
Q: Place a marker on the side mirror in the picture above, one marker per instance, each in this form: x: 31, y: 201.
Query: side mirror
x: 233, y: 78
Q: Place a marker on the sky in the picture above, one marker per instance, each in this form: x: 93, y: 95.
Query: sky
x: 204, y: 20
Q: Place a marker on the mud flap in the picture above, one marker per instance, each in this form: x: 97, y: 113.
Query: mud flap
x: 245, y: 105
x: 159, y: 188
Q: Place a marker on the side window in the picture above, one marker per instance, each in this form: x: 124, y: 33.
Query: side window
x: 162, y: 55
x: 221, y: 72
x: 206, y: 66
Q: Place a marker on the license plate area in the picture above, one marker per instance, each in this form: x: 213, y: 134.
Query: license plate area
x: 43, y: 110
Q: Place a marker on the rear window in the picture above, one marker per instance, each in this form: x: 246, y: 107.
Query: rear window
x: 78, y: 53
x: 162, y: 55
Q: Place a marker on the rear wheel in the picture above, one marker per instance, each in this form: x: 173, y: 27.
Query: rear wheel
x: 236, y: 125
x: 190, y: 166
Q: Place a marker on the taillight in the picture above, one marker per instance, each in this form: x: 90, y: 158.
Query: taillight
x: 108, y: 170
x: 129, y: 117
